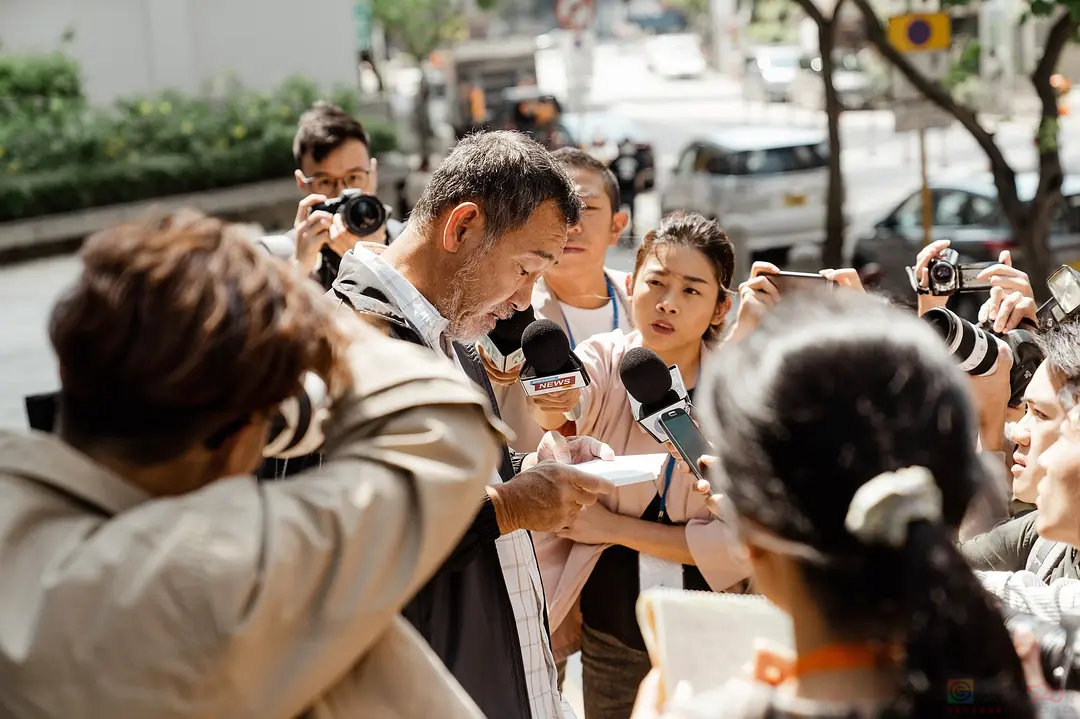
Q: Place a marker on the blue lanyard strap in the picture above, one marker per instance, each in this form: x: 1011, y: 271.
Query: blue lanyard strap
x: 669, y: 470
x: 614, y: 312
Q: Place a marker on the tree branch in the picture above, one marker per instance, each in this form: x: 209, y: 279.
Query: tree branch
x: 1004, y: 175
x: 1060, y: 34
x: 811, y: 9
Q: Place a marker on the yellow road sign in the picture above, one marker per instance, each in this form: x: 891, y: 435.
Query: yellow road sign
x: 918, y: 32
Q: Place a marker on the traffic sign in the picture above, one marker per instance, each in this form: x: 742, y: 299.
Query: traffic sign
x: 575, y: 14
x: 919, y: 32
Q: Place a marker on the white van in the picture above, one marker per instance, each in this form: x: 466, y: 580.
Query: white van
x: 766, y: 186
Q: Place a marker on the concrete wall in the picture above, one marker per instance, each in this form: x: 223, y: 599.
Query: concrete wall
x: 131, y: 47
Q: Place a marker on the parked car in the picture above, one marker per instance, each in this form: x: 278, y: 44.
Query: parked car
x: 769, y: 72
x: 767, y: 185
x: 855, y: 84
x: 675, y: 56
x: 600, y: 133
x: 965, y: 211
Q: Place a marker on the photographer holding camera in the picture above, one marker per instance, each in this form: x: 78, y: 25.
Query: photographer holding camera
x: 148, y: 575
x: 338, y: 176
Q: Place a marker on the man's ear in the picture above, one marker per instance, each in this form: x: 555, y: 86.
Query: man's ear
x: 619, y: 221
x: 464, y: 221
x: 300, y: 181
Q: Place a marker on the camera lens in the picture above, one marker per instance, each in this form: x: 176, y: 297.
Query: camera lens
x: 363, y: 214
x: 942, y: 273
x: 974, y: 349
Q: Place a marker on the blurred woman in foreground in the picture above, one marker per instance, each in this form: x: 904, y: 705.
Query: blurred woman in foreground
x: 843, y: 434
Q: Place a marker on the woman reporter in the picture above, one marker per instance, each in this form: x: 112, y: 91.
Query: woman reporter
x: 843, y: 435
x: 148, y: 574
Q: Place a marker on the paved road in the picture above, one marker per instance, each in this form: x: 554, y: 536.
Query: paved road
x: 879, y: 166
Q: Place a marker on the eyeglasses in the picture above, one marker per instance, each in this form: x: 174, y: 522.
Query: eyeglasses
x: 328, y: 185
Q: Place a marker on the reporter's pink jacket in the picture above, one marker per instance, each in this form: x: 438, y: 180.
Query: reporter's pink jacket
x: 606, y: 415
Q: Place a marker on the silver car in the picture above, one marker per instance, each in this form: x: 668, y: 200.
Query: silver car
x: 767, y: 186
x: 769, y: 73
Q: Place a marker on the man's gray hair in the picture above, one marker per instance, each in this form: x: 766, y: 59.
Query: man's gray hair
x: 1060, y: 346
x: 507, y: 174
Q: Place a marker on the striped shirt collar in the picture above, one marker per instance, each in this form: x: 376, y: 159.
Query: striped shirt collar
x: 416, y: 308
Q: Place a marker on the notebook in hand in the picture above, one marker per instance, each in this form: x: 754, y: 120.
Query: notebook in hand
x: 705, y: 638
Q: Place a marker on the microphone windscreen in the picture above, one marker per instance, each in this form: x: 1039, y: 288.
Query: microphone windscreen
x: 507, y: 333
x: 645, y: 375
x: 546, y: 347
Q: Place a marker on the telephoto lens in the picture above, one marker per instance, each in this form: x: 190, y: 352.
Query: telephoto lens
x: 975, y: 349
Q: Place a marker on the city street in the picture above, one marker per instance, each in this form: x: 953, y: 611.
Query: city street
x: 880, y: 168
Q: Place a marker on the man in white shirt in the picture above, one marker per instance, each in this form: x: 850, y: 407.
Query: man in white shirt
x: 579, y: 293
x: 492, y: 219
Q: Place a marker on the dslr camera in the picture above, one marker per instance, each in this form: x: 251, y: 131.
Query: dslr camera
x: 975, y: 348
x: 1057, y: 646
x: 362, y: 214
x: 947, y: 276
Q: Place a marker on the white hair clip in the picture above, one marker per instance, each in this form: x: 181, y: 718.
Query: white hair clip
x: 882, y: 509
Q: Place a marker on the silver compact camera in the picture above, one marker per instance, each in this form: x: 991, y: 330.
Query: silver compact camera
x: 947, y: 276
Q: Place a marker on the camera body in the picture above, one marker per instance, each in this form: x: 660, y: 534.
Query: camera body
x: 363, y: 214
x: 975, y: 349
x: 947, y: 276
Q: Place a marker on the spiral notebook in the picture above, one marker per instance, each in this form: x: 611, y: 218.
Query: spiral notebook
x: 707, y: 638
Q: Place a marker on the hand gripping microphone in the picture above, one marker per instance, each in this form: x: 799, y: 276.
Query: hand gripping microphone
x: 661, y: 408
x: 503, y: 344
x: 550, y: 365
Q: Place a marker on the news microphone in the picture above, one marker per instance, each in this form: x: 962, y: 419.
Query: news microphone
x: 550, y: 365
x: 503, y: 343
x: 661, y: 405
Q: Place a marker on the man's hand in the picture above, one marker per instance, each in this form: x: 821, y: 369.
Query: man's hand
x: 341, y: 240
x: 545, y: 498
x: 502, y: 378
x: 702, y: 486
x: 576, y: 450
x: 312, y: 232
x: 1007, y: 277
x: 992, y: 394
x: 756, y: 297
x: 922, y: 274
x: 1006, y: 310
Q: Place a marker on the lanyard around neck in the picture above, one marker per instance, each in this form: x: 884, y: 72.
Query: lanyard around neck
x: 614, y: 312
x: 669, y: 467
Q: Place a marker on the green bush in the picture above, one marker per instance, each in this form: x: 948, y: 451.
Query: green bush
x: 61, y: 155
x: 31, y: 80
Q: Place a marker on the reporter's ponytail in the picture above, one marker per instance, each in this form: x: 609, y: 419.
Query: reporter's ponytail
x: 958, y: 650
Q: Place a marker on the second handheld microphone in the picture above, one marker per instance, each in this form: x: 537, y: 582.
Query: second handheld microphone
x: 550, y: 364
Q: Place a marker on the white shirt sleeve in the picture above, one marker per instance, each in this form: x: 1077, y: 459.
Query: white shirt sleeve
x: 1024, y: 592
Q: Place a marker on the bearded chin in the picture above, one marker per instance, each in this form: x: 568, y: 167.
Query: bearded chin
x: 462, y: 302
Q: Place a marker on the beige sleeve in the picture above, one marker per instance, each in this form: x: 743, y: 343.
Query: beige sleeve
x: 262, y: 596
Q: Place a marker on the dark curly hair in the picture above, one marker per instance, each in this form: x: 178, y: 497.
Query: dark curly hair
x: 704, y: 235
x: 827, y: 394
x: 179, y: 328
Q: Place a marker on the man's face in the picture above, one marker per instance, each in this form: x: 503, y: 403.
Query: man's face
x: 348, y: 166
x: 491, y: 286
x: 588, y: 241
x: 1035, y: 433
x: 1059, y: 488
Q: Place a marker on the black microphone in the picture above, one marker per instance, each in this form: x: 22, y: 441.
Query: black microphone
x: 659, y: 408
x: 503, y: 343
x: 550, y: 364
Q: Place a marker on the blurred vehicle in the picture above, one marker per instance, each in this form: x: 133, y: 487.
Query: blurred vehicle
x: 478, y: 73
x: 675, y: 56
x: 966, y: 212
x: 855, y: 84
x: 766, y: 185
x: 653, y: 17
x: 600, y: 133
x: 769, y: 72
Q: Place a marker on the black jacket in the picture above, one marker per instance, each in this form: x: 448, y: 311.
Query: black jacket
x: 464, y: 612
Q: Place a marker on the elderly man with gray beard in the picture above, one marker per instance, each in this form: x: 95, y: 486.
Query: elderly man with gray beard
x: 492, y: 219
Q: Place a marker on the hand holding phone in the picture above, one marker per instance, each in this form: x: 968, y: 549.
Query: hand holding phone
x: 790, y: 282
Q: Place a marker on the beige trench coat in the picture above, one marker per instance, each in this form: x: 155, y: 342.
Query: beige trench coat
x: 245, y: 600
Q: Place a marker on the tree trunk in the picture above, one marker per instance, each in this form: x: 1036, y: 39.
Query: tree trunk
x: 832, y: 254
x: 423, y: 121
